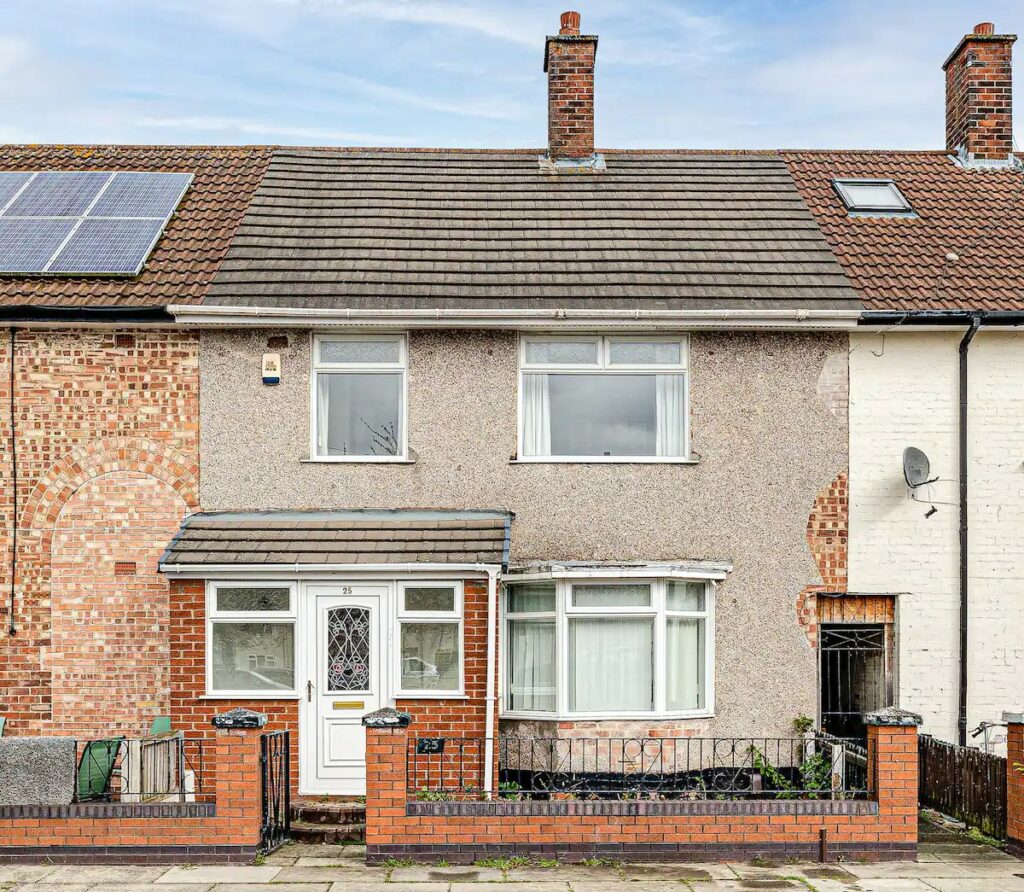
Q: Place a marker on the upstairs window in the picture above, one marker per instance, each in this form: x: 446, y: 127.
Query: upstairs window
x: 873, y: 197
x: 359, y: 398
x: 603, y: 398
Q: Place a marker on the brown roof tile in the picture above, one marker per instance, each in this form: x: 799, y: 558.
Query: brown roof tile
x: 900, y: 263
x: 182, y: 265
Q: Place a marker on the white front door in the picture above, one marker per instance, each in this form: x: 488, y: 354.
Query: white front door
x: 344, y: 681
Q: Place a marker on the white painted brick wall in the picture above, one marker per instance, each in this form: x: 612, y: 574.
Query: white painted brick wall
x: 907, y: 396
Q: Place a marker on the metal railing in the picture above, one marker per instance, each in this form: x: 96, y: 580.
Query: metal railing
x: 275, y: 789
x: 814, y: 766
x: 161, y: 768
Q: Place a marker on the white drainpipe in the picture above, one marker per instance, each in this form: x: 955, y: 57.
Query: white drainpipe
x: 492, y: 688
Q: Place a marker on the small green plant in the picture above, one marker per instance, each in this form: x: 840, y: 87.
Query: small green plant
x: 509, y: 790
x: 441, y: 863
x: 802, y: 724
x: 815, y: 774
x: 433, y: 796
x: 979, y: 836
x: 260, y: 859
x: 392, y: 863
x: 599, y: 862
x: 547, y: 863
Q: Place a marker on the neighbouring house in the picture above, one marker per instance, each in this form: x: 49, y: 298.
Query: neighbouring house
x: 551, y: 450
x: 933, y: 243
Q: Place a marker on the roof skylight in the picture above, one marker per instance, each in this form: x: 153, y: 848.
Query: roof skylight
x: 880, y: 197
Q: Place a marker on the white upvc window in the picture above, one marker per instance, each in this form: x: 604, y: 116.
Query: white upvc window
x: 603, y: 398
x: 429, y: 655
x: 609, y: 648
x: 250, y: 639
x: 359, y: 397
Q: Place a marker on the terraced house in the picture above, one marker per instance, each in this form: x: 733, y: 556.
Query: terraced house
x: 567, y: 454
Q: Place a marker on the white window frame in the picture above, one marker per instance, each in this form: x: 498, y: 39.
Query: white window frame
x: 604, y: 366
x: 564, y: 610
x: 236, y: 617
x: 317, y: 368
x: 405, y: 617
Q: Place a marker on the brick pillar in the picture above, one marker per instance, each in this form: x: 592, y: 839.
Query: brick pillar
x: 236, y: 781
x: 1014, y: 781
x: 892, y: 775
x: 387, y: 740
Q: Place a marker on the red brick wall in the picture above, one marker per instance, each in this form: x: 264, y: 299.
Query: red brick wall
x: 883, y: 829
x: 979, y: 97
x: 107, y: 453
x: 1015, y: 785
x: 236, y: 764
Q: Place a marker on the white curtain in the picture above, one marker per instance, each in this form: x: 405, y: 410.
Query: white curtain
x: 532, y: 665
x: 671, y: 408
x: 536, y: 415
x: 322, y: 420
x: 684, y: 645
x: 610, y: 664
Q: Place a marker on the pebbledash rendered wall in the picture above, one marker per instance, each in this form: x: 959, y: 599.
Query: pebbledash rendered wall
x: 768, y: 421
x: 883, y: 827
x: 904, y: 392
x: 107, y: 445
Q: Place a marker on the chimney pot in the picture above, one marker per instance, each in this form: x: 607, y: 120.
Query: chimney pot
x: 571, y: 23
x: 984, y: 28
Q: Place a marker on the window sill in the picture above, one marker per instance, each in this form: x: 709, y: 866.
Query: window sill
x: 342, y: 460
x: 608, y: 717
x: 606, y: 460
x: 286, y: 695
x: 431, y: 695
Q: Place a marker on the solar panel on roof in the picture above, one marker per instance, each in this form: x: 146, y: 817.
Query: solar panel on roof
x: 95, y: 222
x: 132, y: 194
x: 107, y: 246
x: 58, y: 194
x: 10, y: 183
x: 29, y: 244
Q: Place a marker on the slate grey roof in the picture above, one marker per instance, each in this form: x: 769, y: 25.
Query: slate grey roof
x: 416, y: 229
x: 341, y: 537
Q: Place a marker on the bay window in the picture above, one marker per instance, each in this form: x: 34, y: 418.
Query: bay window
x: 250, y: 639
x: 359, y: 397
x: 430, y: 639
x: 603, y: 398
x: 576, y: 647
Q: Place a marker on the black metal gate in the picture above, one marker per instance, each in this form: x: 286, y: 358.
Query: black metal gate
x: 275, y: 789
x: 854, y: 676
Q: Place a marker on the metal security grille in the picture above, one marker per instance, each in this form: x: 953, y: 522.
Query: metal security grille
x: 854, y: 677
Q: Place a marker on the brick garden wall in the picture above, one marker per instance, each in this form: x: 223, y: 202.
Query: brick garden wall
x: 1015, y: 787
x: 107, y: 460
x: 884, y: 828
x: 228, y: 829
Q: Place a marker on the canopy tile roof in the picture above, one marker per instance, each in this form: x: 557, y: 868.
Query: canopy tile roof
x: 340, y: 537
x: 185, y: 258
x: 899, y: 263
x: 414, y: 229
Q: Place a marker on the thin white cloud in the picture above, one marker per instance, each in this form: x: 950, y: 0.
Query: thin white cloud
x: 225, y: 125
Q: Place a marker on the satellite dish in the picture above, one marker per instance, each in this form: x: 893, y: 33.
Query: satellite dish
x: 916, y: 467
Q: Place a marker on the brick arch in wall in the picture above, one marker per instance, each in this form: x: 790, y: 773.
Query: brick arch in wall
x: 133, y: 454
x: 147, y: 470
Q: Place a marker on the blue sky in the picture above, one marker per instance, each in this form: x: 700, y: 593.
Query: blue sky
x: 671, y: 73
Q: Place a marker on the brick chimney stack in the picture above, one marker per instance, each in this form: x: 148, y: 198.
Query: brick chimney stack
x: 569, y: 62
x: 979, y: 103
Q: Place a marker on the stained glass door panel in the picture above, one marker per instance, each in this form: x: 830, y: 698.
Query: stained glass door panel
x: 348, y: 649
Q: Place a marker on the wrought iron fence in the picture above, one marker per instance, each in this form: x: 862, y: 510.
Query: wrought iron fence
x: 275, y: 789
x: 811, y: 767
x: 160, y: 768
x: 964, y: 783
